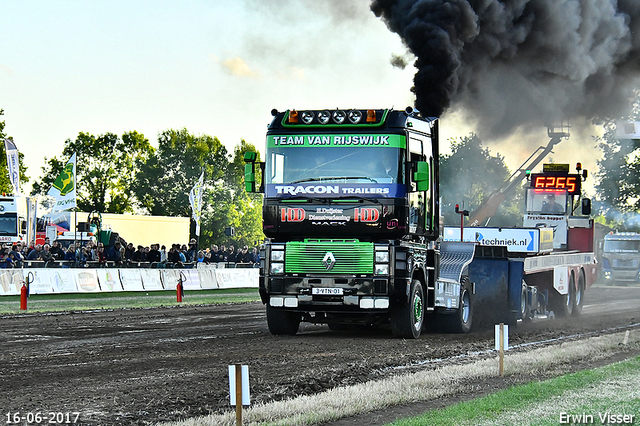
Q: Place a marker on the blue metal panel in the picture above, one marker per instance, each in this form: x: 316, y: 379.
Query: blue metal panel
x: 516, y: 273
x: 491, y: 278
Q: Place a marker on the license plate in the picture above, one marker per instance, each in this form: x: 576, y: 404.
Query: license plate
x: 327, y: 291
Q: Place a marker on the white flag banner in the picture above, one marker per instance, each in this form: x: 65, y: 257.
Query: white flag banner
x: 13, y: 164
x: 64, y: 187
x: 195, y: 199
x: 628, y: 129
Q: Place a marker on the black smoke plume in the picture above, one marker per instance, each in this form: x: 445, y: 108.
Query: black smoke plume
x: 514, y: 62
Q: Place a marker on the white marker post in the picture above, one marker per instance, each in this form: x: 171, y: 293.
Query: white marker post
x: 239, y: 388
x: 502, y: 343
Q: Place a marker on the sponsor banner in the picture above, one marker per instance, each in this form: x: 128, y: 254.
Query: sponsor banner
x: 131, y: 279
x: 64, y: 187
x: 10, y: 281
x: 333, y: 140
x: 13, y: 164
x: 192, y: 282
x: 237, y: 278
x: 335, y: 190
x: 151, y: 279
x: 59, y: 280
x: 517, y: 240
x: 170, y: 278
x: 195, y: 200
x: 322, y: 215
x: 207, y: 277
x: 108, y: 279
x: 69, y: 280
x: 556, y: 222
x: 87, y: 280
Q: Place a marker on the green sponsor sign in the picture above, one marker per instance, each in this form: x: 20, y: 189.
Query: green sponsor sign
x: 65, y: 182
x: 341, y: 140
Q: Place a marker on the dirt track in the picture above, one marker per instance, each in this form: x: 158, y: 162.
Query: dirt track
x: 146, y: 365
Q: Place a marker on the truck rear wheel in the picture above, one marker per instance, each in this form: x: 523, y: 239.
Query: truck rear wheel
x: 525, y: 307
x: 563, y: 303
x: 407, y: 320
x: 579, y: 298
x: 282, y: 322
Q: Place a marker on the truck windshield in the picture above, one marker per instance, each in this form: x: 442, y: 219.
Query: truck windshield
x: 621, y: 246
x: 8, y: 224
x: 349, y: 164
x: 546, y: 202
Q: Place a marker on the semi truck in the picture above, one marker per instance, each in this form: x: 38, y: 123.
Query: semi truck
x: 621, y: 258
x: 17, y: 219
x: 351, y: 212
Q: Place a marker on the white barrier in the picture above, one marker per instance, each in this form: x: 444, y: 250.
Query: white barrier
x: 10, y: 282
x: 207, y: 276
x: 84, y: 280
x: 109, y: 279
x: 151, y: 279
x: 87, y: 280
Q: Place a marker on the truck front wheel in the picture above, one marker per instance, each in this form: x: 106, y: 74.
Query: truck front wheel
x: 282, y: 322
x: 407, y: 320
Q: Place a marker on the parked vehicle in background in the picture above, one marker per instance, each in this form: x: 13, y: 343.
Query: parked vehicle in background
x: 621, y: 258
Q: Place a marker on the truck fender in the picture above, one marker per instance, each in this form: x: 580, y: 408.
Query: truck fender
x: 561, y: 276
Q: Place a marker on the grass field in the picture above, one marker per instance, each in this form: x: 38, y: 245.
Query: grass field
x: 132, y: 299
x: 607, y: 395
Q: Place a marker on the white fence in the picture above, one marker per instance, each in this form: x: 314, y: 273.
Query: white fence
x: 89, y: 280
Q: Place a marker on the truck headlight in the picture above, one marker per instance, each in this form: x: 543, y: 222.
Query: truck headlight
x: 381, y: 266
x: 277, y: 255
x: 382, y: 269
x: 277, y: 268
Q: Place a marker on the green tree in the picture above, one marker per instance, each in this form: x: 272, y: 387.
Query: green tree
x: 618, y: 176
x: 5, y: 181
x: 468, y: 175
x: 105, y: 170
x: 249, y: 206
x: 164, y: 178
x: 233, y: 207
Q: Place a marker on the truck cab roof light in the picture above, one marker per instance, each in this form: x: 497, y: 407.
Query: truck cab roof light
x: 338, y: 116
x: 355, y: 116
x: 307, y: 117
x: 324, y: 116
x: 293, y: 116
x: 371, y: 116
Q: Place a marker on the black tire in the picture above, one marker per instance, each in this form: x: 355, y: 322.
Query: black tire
x: 282, y: 322
x: 525, y: 307
x: 461, y: 320
x: 563, y: 303
x: 407, y: 320
x: 578, y: 300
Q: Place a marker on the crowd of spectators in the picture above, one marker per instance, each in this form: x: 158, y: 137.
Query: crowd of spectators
x: 123, y: 254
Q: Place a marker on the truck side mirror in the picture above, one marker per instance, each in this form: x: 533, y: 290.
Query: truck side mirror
x: 250, y: 171
x: 586, y: 206
x: 421, y: 176
x: 249, y: 177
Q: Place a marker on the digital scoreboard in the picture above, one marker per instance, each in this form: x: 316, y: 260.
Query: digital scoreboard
x: 572, y: 183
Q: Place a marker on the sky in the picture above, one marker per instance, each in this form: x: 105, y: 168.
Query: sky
x: 213, y: 67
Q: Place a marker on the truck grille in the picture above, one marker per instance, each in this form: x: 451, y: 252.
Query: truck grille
x: 625, y: 263
x: 329, y: 257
